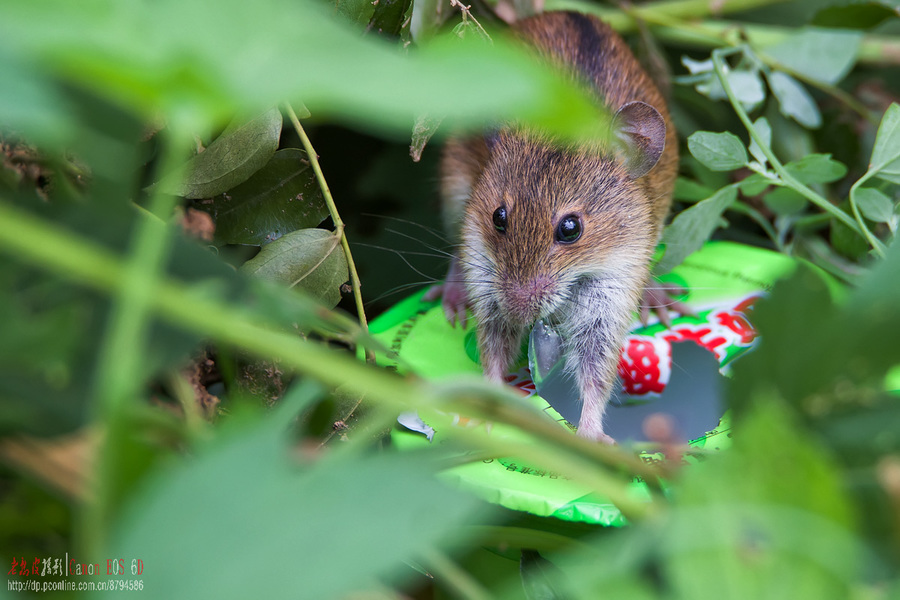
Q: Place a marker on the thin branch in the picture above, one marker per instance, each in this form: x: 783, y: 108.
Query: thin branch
x: 338, y: 223
x: 786, y: 177
x: 466, y: 11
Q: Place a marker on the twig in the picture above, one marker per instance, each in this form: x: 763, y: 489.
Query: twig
x: 338, y: 223
x: 786, y: 177
x: 877, y: 244
x: 466, y: 11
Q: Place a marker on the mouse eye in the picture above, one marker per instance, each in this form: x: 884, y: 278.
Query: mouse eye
x: 568, y: 230
x: 500, y: 219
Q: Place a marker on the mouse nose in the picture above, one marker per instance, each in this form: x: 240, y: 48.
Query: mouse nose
x: 528, y: 298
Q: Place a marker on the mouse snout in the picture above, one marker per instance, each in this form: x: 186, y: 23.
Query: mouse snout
x: 528, y: 299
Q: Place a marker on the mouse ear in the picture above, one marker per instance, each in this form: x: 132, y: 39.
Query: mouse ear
x: 641, y: 133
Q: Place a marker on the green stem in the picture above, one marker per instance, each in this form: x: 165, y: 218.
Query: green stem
x: 336, y: 217
x: 461, y: 584
x: 626, y: 20
x: 786, y: 177
x: 118, y: 377
x: 69, y: 255
x: 879, y: 247
x: 875, y: 50
x: 676, y: 21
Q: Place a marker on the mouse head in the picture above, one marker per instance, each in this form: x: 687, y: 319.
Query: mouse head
x: 542, y: 218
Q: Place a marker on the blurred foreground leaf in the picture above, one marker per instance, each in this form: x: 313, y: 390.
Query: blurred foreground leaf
x: 855, y: 15
x: 157, y: 58
x: 767, y: 519
x: 255, y: 525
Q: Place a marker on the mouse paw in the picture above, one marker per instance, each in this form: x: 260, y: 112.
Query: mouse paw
x: 454, y: 300
x: 660, y: 298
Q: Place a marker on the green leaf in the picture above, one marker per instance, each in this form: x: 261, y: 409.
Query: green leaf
x: 692, y: 227
x: 258, y: 524
x: 854, y: 15
x: 697, y: 67
x: 746, y: 85
x: 825, y: 55
x: 886, y: 153
x: 816, y: 168
x: 310, y: 259
x: 874, y: 204
x: 30, y: 105
x: 156, y: 57
x: 763, y: 130
x: 773, y: 505
x: 232, y: 157
x: 540, y: 578
x: 281, y: 197
x: 718, y: 151
x: 388, y: 16
x: 359, y: 12
x: 754, y: 185
x: 423, y: 130
x: 785, y: 201
x: 794, y: 101
x: 426, y: 19
x: 690, y: 190
x: 847, y: 242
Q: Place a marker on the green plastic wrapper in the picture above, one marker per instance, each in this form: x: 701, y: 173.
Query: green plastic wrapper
x: 722, y: 280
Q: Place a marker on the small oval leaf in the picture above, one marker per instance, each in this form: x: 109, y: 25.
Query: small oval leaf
x: 825, y: 55
x: 816, y: 168
x: 764, y: 131
x: 886, y: 153
x: 794, y: 101
x: 874, y: 204
x: 309, y: 259
x: 754, y: 185
x: 718, y: 151
x: 541, y: 579
x: 785, y: 201
x: 281, y: 197
x: 232, y: 157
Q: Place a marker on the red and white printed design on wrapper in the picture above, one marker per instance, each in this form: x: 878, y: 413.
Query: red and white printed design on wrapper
x: 645, y: 365
x: 521, y: 380
x: 646, y: 362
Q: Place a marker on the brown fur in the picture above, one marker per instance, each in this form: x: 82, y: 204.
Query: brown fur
x: 589, y: 288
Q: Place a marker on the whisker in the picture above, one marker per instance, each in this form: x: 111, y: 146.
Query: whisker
x: 397, y: 289
x: 429, y: 230
x: 395, y: 251
x: 403, y: 258
x: 417, y: 240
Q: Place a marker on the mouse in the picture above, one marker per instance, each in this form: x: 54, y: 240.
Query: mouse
x: 561, y: 233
